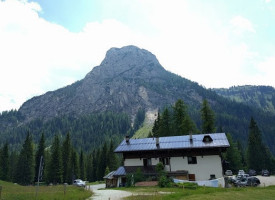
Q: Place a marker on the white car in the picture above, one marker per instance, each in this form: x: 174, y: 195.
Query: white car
x: 228, y: 173
x: 241, y: 172
x: 79, y: 183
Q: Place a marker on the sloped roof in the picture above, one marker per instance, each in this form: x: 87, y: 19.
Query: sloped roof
x: 110, y: 175
x: 123, y: 170
x: 149, y: 170
x: 173, y: 142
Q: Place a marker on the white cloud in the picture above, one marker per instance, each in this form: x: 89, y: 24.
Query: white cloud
x: 266, y: 70
x: 241, y: 25
x: 37, y: 56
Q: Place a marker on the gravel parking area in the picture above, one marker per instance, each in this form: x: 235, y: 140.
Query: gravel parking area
x: 266, y: 180
x: 107, y: 194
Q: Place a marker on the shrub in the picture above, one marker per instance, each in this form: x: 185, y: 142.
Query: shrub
x: 138, y: 176
x: 164, y: 181
x: 129, y: 180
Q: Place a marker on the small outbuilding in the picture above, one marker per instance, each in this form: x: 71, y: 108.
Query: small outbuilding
x: 110, y: 180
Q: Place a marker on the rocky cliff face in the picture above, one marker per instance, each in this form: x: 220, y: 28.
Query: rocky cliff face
x: 128, y: 78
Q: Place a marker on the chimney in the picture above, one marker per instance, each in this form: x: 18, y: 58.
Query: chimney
x: 127, y: 139
x: 190, y: 138
x: 157, y: 141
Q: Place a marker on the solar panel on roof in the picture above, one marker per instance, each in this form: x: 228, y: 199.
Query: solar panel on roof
x: 173, y: 142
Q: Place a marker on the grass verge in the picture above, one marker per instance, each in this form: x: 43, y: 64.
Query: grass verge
x: 12, y: 191
x: 206, y: 193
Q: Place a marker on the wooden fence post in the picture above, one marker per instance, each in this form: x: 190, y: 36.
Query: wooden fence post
x: 0, y: 192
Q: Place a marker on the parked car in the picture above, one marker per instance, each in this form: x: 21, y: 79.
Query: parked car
x: 240, y: 181
x: 241, y: 172
x: 253, y: 181
x: 242, y: 176
x: 265, y: 172
x: 228, y: 173
x: 247, y: 181
x: 252, y: 172
x: 79, y: 183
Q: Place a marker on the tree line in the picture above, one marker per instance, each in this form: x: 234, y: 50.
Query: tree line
x: 175, y: 120
x: 88, y: 131
x: 61, y: 162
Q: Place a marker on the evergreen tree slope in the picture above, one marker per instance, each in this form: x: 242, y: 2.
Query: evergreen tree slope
x: 129, y: 81
x: 262, y: 97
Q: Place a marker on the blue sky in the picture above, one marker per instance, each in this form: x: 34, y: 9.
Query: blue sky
x: 47, y: 44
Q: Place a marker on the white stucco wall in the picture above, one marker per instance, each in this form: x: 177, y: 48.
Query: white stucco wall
x: 205, y: 166
x: 133, y: 162
x: 139, y: 162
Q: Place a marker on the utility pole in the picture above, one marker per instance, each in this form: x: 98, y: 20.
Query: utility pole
x: 39, y: 175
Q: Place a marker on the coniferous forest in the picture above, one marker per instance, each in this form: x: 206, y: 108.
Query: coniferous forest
x: 69, y: 153
x: 61, y: 162
x: 254, y: 155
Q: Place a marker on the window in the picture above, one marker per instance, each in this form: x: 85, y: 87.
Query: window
x: 207, y: 139
x: 212, y: 176
x: 164, y: 161
x: 147, y: 162
x: 192, y: 160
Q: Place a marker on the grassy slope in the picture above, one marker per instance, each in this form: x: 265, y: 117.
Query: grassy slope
x: 144, y: 131
x: 12, y: 191
x: 153, y: 193
x: 147, y: 125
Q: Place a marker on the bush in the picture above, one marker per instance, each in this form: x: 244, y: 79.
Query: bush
x: 129, y: 180
x: 159, y: 168
x: 138, y: 176
x: 164, y: 181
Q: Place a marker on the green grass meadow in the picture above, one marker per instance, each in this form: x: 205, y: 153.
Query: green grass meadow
x: 205, y: 193
x: 12, y: 191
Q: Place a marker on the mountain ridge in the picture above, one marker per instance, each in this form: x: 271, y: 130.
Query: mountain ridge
x: 129, y: 79
x: 261, y: 96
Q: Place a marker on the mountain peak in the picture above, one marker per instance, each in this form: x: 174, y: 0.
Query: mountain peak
x: 129, y: 56
x: 121, y: 60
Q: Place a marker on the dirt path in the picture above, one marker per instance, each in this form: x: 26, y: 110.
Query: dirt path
x: 107, y: 194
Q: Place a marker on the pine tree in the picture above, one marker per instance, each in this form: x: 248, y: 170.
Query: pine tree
x: 178, y: 116
x: 25, y: 165
x: 55, y: 173
x: 95, y: 161
x: 74, y: 165
x: 102, y: 163
x: 89, y: 167
x: 242, y: 153
x: 82, y: 166
x: 155, y: 129
x: 4, y: 163
x: 188, y: 126
x: 112, y: 161
x: 233, y: 155
x: 66, y: 159
x: 165, y: 124
x: 107, y: 171
x: 208, y: 118
x: 12, y: 166
x: 139, y: 118
x: 39, y: 153
x: 255, y: 148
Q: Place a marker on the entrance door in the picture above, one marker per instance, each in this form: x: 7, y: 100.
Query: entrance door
x: 192, y: 177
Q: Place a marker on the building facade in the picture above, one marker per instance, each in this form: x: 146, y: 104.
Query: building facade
x: 191, y: 157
